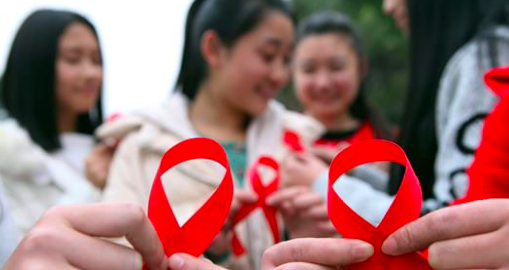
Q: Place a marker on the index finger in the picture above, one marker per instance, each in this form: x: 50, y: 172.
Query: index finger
x: 183, y: 261
x: 116, y: 220
x: 245, y: 196
x: 285, y: 194
x: 330, y: 252
x: 449, y: 223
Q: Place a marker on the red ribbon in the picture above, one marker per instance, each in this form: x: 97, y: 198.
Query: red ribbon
x: 405, y: 208
x: 263, y: 192
x: 292, y: 140
x: 200, y: 230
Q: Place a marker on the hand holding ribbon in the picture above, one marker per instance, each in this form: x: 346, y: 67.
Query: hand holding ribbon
x: 200, y: 230
x: 263, y: 192
x: 405, y: 208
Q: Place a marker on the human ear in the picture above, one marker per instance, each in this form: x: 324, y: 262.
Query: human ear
x: 212, y: 49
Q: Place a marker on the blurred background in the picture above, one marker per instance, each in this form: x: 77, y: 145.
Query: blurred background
x: 386, y: 48
x: 142, y: 43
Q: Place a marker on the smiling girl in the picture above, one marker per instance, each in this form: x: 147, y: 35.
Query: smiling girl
x: 51, y: 92
x: 236, y: 59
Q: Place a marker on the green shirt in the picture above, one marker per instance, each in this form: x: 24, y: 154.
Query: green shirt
x: 237, y: 156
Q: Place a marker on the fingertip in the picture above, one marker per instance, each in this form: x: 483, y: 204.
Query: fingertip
x: 362, y: 252
x: 176, y: 262
x: 246, y: 196
x: 390, y: 247
x: 434, y: 256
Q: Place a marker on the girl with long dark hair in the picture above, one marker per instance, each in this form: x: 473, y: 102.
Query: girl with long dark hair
x: 51, y: 92
x: 236, y: 59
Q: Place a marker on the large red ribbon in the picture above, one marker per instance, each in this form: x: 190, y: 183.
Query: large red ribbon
x: 405, y: 208
x: 263, y: 192
x: 201, y: 229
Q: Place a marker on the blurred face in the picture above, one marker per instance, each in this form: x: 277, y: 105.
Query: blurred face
x: 398, y: 10
x: 256, y: 68
x: 78, y: 69
x: 327, y: 74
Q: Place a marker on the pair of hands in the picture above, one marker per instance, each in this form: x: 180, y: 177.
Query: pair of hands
x: 69, y: 237
x: 470, y: 236
x: 304, y: 213
x: 302, y: 169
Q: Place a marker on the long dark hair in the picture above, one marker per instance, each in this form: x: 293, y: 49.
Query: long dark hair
x: 230, y: 20
x: 330, y: 22
x: 438, y: 29
x: 28, y: 86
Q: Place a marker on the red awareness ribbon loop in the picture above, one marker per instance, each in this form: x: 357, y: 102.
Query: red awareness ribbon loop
x: 263, y: 192
x: 200, y: 230
x: 405, y: 208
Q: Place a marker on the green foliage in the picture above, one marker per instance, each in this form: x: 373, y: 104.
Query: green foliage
x: 385, y: 45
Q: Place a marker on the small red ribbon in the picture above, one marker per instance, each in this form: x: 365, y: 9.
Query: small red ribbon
x: 293, y: 141
x: 200, y: 230
x: 263, y: 192
x: 405, y: 208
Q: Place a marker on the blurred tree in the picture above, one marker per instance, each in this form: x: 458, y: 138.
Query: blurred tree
x: 385, y: 45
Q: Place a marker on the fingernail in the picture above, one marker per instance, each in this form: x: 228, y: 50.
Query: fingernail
x: 362, y: 252
x: 390, y: 247
x: 176, y: 262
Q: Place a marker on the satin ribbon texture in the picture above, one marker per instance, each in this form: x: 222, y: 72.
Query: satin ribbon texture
x: 199, y: 231
x: 263, y: 192
x: 405, y: 208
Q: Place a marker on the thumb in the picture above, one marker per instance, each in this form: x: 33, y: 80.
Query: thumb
x: 181, y: 261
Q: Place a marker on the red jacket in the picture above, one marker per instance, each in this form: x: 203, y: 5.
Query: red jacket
x: 489, y: 173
